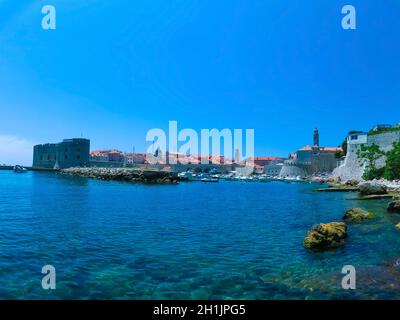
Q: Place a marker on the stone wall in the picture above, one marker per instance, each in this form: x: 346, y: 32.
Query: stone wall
x: 66, y: 154
x: 353, y: 167
x: 45, y: 155
x: 294, y: 168
x: 273, y: 169
x: 315, y: 163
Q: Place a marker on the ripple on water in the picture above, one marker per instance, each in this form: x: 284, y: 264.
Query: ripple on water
x: 111, y: 240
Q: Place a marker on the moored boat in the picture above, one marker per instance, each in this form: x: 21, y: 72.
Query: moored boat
x: 209, y: 179
x: 19, y: 169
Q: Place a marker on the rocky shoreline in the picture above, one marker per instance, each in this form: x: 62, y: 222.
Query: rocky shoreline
x: 326, y: 236
x: 124, y: 174
x: 334, y: 182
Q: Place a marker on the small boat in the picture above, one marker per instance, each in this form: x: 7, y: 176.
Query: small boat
x: 186, y: 176
x: 19, y: 169
x: 209, y: 179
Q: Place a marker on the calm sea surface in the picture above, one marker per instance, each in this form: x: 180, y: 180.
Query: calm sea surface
x: 226, y: 240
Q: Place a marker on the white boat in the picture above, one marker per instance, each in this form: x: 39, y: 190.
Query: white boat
x: 186, y: 175
x: 19, y: 169
x: 209, y: 179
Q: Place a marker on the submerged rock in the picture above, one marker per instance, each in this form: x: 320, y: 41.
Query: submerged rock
x: 376, y: 197
x: 326, y: 235
x: 338, y: 189
x: 357, y: 215
x: 394, y: 206
x: 372, y: 188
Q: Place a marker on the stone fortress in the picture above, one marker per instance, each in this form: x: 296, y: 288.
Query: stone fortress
x: 311, y: 160
x: 381, y: 135
x: 66, y: 154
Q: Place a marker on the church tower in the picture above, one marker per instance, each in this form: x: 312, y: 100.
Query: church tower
x: 316, y: 138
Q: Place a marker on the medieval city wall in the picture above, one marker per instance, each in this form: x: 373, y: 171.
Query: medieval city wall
x: 353, y: 167
x: 293, y: 168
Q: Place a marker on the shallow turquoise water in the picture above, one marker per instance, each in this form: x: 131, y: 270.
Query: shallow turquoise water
x: 227, y: 240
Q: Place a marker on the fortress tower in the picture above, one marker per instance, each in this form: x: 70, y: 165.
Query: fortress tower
x: 316, y: 137
x: 66, y: 154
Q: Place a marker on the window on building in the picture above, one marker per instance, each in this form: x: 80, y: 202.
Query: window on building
x: 354, y: 137
x: 78, y: 157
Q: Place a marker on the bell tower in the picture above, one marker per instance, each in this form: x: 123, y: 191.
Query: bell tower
x: 316, y: 137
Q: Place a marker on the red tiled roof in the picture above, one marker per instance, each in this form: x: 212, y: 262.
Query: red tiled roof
x: 105, y: 151
x: 134, y: 154
x: 264, y: 158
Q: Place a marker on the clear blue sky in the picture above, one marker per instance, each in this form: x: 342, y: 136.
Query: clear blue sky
x: 115, y: 69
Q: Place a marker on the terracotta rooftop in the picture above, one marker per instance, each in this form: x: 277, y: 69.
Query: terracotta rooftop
x: 265, y: 158
x: 307, y: 147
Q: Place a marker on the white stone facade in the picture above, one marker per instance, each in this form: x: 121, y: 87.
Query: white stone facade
x: 353, y: 167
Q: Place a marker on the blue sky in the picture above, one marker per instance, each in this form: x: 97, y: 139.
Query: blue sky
x: 115, y: 69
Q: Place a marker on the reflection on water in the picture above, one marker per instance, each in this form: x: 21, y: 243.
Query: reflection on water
x: 227, y: 240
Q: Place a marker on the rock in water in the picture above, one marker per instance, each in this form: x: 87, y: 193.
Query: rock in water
x: 372, y: 188
x: 326, y: 235
x: 352, y: 183
x: 394, y: 206
x: 398, y: 226
x: 376, y: 197
x: 357, y: 215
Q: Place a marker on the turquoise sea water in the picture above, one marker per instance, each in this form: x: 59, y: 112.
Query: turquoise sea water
x: 226, y: 240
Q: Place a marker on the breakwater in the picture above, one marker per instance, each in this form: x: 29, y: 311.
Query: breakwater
x: 6, y: 167
x: 11, y: 168
x: 124, y: 174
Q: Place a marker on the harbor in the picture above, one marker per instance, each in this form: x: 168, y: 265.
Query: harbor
x: 190, y: 240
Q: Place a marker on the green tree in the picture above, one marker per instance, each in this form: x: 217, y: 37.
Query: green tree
x: 342, y: 153
x: 339, y: 154
x: 344, y: 147
x: 392, y: 169
x: 371, y: 154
